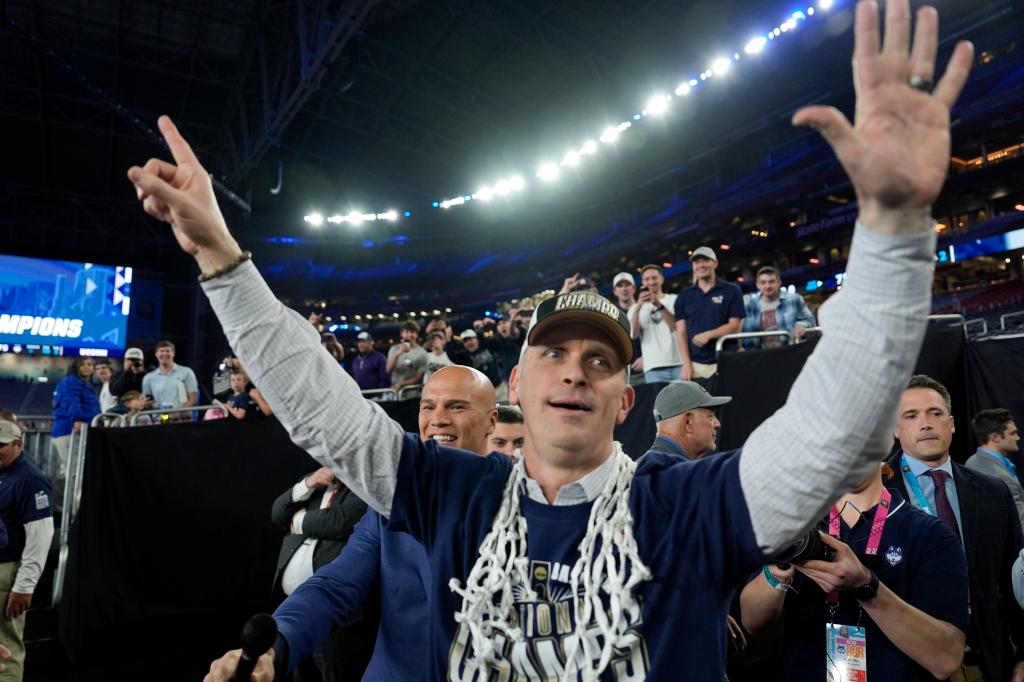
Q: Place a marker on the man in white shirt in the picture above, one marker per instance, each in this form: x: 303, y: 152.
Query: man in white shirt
x: 654, y: 324
x: 103, y: 374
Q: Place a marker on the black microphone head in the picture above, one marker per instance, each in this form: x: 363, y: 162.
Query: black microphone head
x: 259, y: 634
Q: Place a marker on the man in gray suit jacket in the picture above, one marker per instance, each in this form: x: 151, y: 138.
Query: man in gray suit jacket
x: 997, y: 438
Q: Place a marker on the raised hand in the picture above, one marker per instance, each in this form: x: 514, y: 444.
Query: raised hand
x: 897, y: 153
x: 182, y: 194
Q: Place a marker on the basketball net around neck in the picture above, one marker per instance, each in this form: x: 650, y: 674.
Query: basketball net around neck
x: 609, y: 564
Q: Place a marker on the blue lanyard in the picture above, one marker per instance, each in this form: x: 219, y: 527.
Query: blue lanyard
x: 915, y: 486
x: 1006, y: 463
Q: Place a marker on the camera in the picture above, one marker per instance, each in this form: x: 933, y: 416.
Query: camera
x: 808, y: 547
x: 644, y: 289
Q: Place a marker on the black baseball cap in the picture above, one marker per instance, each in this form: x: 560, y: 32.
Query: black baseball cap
x: 587, y: 308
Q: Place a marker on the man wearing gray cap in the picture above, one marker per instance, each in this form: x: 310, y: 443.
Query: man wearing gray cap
x: 687, y: 425
x: 707, y: 311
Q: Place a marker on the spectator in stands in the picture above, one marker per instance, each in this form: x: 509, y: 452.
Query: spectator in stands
x: 25, y: 508
x: 506, y: 346
x: 437, y: 358
x: 912, y: 604
x: 503, y: 346
x: 509, y: 433
x: 331, y: 345
x: 458, y: 409
x: 979, y: 510
x: 480, y: 357
x: 624, y: 289
x: 773, y: 308
x: 103, y: 372
x: 653, y: 322
x: 170, y: 385
x: 240, y: 405
x: 707, y: 311
x: 453, y: 346
x: 74, y: 404
x: 319, y: 514
x: 130, y: 405
x: 369, y: 367
x: 687, y: 425
x: 997, y: 437
x: 134, y: 370
x: 407, y: 361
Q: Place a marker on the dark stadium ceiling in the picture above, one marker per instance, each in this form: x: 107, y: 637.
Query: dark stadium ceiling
x: 368, y: 105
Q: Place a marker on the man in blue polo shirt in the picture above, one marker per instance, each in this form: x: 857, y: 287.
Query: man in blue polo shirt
x: 170, y: 385
x: 897, y: 572
x: 708, y: 310
x: 25, y: 508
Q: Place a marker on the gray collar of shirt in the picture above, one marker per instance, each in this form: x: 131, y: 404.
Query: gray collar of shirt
x: 586, y: 489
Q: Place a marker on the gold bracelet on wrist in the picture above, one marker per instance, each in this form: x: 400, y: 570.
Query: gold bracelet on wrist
x: 223, y: 270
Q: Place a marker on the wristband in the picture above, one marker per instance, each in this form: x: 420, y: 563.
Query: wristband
x: 772, y: 581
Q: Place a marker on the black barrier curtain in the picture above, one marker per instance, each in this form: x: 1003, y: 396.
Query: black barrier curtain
x: 995, y: 379
x: 759, y: 383
x: 176, y: 520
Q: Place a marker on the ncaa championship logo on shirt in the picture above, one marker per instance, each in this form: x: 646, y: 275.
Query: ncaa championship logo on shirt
x: 550, y: 623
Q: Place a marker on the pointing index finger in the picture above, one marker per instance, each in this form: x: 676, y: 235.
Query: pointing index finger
x: 180, y: 149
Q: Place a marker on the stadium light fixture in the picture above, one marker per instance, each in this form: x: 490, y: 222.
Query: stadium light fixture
x: 720, y: 66
x: 548, y: 172
x: 657, y: 105
x: 755, y: 45
x: 825, y: 5
x: 314, y: 219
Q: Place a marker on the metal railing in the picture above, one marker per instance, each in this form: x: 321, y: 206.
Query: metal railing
x: 980, y: 321
x: 380, y: 394
x: 390, y: 394
x: 750, y: 335
x: 72, y: 497
x: 167, y: 412
x: 1003, y: 319
x: 36, y: 439
x: 951, y: 317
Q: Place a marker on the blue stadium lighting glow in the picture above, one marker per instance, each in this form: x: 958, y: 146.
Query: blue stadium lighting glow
x: 408, y: 214
x: 435, y: 204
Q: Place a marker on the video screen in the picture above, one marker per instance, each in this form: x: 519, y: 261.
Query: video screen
x: 51, y: 307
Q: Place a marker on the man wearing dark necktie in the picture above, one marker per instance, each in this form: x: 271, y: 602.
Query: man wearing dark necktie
x: 980, y: 511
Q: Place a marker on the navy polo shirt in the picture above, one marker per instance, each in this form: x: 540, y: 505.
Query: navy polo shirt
x: 705, y: 311
x: 25, y: 495
x: 918, y: 558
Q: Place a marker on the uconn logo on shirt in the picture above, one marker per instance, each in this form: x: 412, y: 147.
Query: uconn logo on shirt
x: 548, y: 626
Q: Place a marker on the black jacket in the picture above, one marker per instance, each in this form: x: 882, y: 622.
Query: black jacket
x: 992, y: 539
x: 128, y: 381
x: 331, y: 526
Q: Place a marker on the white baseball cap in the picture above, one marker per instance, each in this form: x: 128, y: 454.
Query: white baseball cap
x: 623, y: 277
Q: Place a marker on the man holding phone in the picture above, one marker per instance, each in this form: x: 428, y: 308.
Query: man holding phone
x: 654, y: 323
x: 130, y: 379
x: 407, y: 361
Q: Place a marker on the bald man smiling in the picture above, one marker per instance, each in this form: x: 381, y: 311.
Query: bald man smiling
x: 457, y: 409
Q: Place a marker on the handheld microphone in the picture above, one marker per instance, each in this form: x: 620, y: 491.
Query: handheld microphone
x: 258, y: 636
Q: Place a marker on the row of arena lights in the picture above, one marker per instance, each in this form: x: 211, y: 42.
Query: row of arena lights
x: 550, y: 171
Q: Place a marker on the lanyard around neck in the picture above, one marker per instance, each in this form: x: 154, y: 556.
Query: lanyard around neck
x: 915, y: 487
x: 874, y: 537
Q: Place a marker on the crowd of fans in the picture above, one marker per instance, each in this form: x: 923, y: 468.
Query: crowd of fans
x: 676, y: 334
